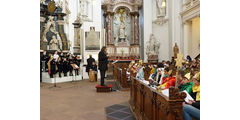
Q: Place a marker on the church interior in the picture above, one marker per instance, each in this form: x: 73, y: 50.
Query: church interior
x: 153, y: 59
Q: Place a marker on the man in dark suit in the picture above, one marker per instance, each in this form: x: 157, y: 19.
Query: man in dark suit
x: 103, y: 63
x: 90, y: 60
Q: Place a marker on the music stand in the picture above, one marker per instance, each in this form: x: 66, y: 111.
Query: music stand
x: 55, y: 82
x: 75, y: 67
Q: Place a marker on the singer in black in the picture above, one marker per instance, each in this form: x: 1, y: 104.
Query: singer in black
x: 103, y: 63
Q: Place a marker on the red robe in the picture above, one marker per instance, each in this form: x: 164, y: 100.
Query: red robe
x: 171, y: 82
x: 165, y: 79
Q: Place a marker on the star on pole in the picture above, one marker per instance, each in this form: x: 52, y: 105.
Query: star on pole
x: 179, y: 60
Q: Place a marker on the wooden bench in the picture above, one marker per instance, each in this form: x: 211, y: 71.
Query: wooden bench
x: 120, y: 76
x: 148, y: 104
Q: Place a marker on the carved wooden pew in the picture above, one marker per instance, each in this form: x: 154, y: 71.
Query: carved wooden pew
x: 148, y: 104
x: 119, y: 71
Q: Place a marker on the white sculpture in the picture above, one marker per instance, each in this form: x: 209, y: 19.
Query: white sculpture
x: 42, y: 1
x: 122, y: 31
x: 152, y: 46
x: 54, y: 43
x: 67, y: 12
x: 50, y: 25
x: 161, y: 9
x: 83, y: 7
x: 60, y: 3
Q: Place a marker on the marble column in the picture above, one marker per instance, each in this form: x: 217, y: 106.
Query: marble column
x: 109, y: 28
x: 136, y: 29
x: 186, y: 38
x: 76, y: 46
x: 135, y: 18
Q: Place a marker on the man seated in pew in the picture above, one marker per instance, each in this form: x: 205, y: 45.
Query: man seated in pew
x: 191, y: 109
x: 186, y: 84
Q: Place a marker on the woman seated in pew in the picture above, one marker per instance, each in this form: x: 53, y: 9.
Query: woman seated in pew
x: 192, y: 108
x: 186, y: 84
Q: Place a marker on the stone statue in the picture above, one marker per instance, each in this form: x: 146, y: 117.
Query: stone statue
x: 54, y: 43
x: 161, y: 9
x: 175, y: 50
x: 42, y: 1
x: 83, y: 7
x: 122, y: 35
x: 50, y: 25
x: 152, y: 46
x: 60, y: 3
x: 67, y: 12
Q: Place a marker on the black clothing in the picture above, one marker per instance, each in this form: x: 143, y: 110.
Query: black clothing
x: 61, y: 56
x: 94, y: 67
x: 197, y: 103
x: 102, y: 73
x: 60, y: 67
x: 159, y: 78
x: 45, y: 58
x: 102, y: 63
x: 71, y: 61
x: 89, y: 63
x: 65, y: 67
x: 77, y: 62
x: 53, y: 68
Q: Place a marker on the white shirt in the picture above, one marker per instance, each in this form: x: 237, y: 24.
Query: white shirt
x: 55, y: 56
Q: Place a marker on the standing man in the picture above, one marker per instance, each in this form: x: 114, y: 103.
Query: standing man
x: 90, y: 60
x: 103, y: 63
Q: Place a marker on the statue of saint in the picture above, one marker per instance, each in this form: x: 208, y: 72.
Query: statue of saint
x: 175, y: 50
x: 42, y: 1
x: 122, y: 35
x: 151, y: 50
x: 60, y: 3
x: 161, y: 8
x: 83, y: 7
x: 50, y: 25
x: 54, y: 43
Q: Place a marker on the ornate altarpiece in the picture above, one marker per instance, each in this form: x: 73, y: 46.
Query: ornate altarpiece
x: 121, y: 22
x: 50, y: 10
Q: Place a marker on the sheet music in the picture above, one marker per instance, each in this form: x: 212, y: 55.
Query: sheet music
x: 165, y: 92
x: 76, y: 66
x: 188, y: 96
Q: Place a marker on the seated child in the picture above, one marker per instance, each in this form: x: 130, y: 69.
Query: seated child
x: 186, y: 84
x: 192, y: 108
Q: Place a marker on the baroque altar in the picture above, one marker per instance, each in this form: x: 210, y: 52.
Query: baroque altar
x: 52, y: 35
x: 121, y: 23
